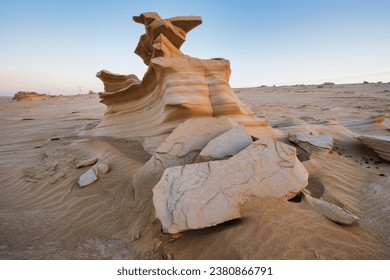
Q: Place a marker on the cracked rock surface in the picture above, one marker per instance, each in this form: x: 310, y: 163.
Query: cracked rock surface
x: 205, y: 194
x: 313, y: 143
x: 182, y: 146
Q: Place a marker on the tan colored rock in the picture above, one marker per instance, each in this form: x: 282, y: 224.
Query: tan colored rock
x: 313, y: 143
x: 101, y: 168
x: 182, y: 146
x: 204, y: 194
x: 86, y: 162
x: 30, y: 96
x: 226, y: 145
x: 380, y: 144
x: 176, y: 87
x: 330, y: 210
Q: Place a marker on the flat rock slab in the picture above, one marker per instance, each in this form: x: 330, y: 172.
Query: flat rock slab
x: 205, y: 194
x: 182, y: 146
x: 313, y: 143
x: 380, y: 144
x: 226, y: 145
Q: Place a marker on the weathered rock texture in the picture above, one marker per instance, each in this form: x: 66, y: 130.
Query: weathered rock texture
x: 331, y: 211
x: 182, y: 147
x: 380, y: 144
x: 205, y: 194
x: 86, y: 162
x: 30, y: 96
x: 313, y: 143
x: 226, y: 145
x: 175, y: 87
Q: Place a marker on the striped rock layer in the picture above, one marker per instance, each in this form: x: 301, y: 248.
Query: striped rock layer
x: 176, y: 87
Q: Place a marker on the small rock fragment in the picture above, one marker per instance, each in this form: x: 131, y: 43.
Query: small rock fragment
x: 330, y: 211
x: 87, y: 162
x: 101, y: 168
x: 87, y: 178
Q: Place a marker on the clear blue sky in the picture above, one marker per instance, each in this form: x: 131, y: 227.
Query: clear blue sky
x: 58, y: 46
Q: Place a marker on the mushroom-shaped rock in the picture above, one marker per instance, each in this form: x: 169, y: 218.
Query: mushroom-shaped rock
x: 175, y: 87
x: 226, y: 145
x: 205, y: 194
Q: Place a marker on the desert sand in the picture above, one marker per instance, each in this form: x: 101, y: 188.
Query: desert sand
x: 179, y: 165
x: 44, y: 214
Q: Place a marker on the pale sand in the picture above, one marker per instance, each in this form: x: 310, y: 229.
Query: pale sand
x: 44, y: 214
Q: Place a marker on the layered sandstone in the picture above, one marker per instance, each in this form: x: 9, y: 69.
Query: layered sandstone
x: 175, y: 87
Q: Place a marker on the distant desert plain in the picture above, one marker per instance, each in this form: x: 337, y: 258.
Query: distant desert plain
x: 178, y: 165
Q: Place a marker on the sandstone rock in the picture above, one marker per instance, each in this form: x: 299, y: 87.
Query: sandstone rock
x: 176, y: 87
x: 29, y: 96
x: 380, y: 144
x: 101, y: 168
x: 87, y: 178
x: 226, y: 145
x: 86, y: 162
x: 205, y: 194
x: 313, y: 143
x: 182, y: 146
x: 331, y: 211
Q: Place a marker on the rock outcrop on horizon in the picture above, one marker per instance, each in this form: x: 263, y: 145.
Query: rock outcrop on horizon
x: 30, y: 96
x: 205, y: 194
x: 175, y: 87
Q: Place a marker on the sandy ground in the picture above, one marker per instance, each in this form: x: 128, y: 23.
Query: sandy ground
x: 44, y: 214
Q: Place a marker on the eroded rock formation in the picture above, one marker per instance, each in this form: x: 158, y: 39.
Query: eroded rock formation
x: 380, y: 144
x: 30, y: 96
x: 175, y: 87
x: 313, y: 143
x: 182, y: 147
x: 205, y: 194
x: 226, y: 145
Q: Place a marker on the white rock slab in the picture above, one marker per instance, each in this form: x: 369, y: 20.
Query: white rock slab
x: 182, y: 146
x: 205, y: 194
x: 87, y: 178
x: 226, y: 145
x: 313, y: 143
x: 380, y: 144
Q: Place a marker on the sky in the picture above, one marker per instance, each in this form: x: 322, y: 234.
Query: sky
x: 57, y: 47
